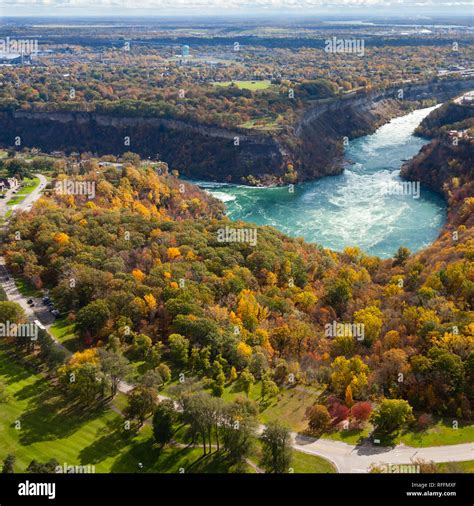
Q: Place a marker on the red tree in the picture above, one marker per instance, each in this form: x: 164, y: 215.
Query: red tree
x: 361, y: 411
x: 338, y: 412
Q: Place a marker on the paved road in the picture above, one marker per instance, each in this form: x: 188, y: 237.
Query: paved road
x: 347, y: 458
x: 358, y: 459
x: 28, y: 201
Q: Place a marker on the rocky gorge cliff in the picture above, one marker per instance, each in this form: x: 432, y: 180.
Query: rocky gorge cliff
x: 313, y: 146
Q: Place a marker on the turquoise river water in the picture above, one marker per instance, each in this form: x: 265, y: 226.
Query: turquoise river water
x: 361, y: 207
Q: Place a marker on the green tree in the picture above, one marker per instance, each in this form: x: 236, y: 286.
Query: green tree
x: 269, y: 388
x: 179, y: 349
x: 218, y: 385
x: 49, y: 467
x: 246, y: 380
x: 338, y: 295
x: 154, y: 356
x: 142, y: 346
x: 115, y: 366
x: 163, y: 420
x: 92, y: 318
x: 11, y: 312
x: 391, y: 415
x: 276, y: 447
x: 165, y: 372
x: 152, y: 379
x: 86, y: 381
x: 203, y: 413
x: 318, y: 418
x: 238, y: 427
x: 8, y: 464
x: 401, y: 256
x: 141, y: 402
x: 258, y: 364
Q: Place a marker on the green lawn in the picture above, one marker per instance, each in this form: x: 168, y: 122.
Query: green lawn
x: 29, y: 184
x: 439, y: 434
x: 442, y: 433
x: 50, y: 428
x: 305, y: 463
x: 247, y: 85
x: 263, y: 123
x: 289, y: 406
x: 63, y: 330
x: 464, y: 467
x: 301, y: 463
x: 350, y: 436
x: 26, y: 288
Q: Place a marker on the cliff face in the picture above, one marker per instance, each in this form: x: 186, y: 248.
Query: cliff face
x: 447, y: 158
x: 439, y: 162
x: 321, y: 134
x: 314, y: 145
x: 322, y: 128
x: 197, y: 151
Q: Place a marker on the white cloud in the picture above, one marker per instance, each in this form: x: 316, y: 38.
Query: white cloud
x: 224, y: 6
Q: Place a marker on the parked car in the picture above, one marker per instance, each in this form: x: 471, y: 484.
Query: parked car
x: 55, y: 312
x: 30, y: 301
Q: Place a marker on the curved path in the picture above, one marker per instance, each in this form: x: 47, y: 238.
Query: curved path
x: 347, y: 458
x: 358, y: 459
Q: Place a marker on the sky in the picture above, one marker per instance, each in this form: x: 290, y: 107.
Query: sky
x: 244, y: 7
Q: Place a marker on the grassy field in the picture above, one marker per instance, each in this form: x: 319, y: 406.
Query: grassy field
x: 247, y: 85
x: 289, y: 406
x: 36, y: 423
x: 464, y: 467
x: 264, y: 123
x: 26, y: 288
x: 305, y: 463
x: 301, y: 463
x: 442, y: 433
x: 350, y: 436
x: 63, y: 330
